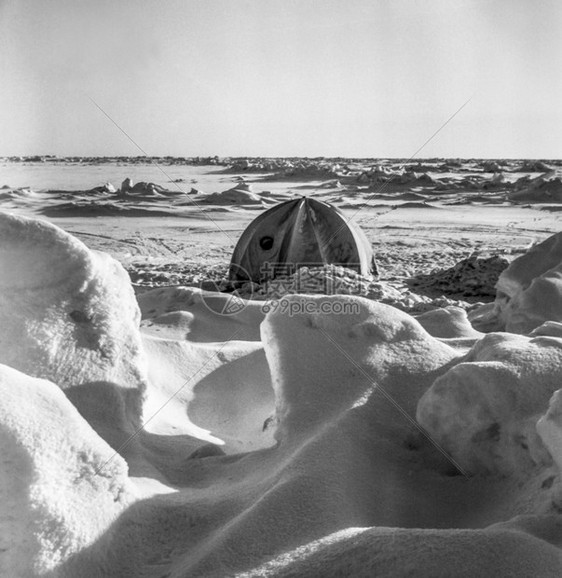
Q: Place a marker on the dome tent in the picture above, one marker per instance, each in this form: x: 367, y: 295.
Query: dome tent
x: 299, y: 232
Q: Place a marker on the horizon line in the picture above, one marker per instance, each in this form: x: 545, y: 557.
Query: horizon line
x: 31, y: 157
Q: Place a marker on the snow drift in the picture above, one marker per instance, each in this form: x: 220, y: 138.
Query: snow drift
x: 529, y: 291
x: 276, y: 445
x: 484, y: 410
x: 68, y: 314
x: 60, y: 483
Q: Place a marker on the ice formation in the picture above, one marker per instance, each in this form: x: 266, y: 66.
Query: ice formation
x: 68, y: 314
x: 484, y: 410
x: 61, y: 485
x: 283, y: 444
x: 529, y: 291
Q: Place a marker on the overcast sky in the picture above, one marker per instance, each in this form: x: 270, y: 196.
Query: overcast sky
x: 368, y: 78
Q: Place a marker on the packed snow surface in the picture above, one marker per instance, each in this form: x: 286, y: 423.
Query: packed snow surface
x: 182, y: 433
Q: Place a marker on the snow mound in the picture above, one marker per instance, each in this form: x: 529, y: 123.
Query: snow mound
x: 145, y: 190
x: 348, y: 357
x: 89, y: 208
x: 546, y: 188
x: 199, y: 316
x: 9, y: 194
x: 61, y: 486
x: 106, y: 188
x: 503, y: 552
x: 472, y: 277
x: 448, y: 323
x: 529, y: 291
x: 532, y: 166
x: 328, y: 280
x: 483, y: 411
x: 540, y: 302
x: 536, y: 261
x: 209, y: 368
x: 241, y: 194
x: 331, y: 419
x: 549, y: 428
x: 67, y: 314
x: 326, y: 470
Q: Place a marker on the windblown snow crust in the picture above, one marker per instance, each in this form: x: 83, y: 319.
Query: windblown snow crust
x: 304, y: 442
x: 61, y: 484
x: 67, y: 314
x: 529, y: 291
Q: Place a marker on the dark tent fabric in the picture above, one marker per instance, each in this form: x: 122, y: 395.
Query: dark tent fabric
x: 296, y: 233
